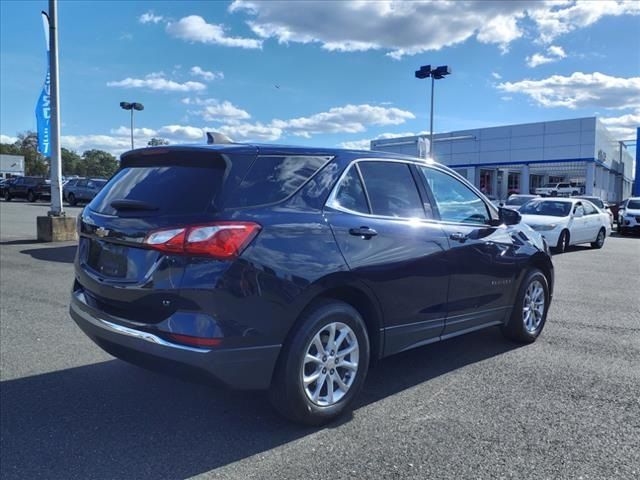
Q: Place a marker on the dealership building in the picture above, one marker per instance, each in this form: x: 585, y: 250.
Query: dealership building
x: 520, y: 158
x: 11, y: 166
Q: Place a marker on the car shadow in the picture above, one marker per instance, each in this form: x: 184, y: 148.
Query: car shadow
x: 573, y: 249
x: 63, y: 254
x: 112, y: 420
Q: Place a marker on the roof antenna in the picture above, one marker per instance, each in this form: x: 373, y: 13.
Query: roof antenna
x: 217, y: 137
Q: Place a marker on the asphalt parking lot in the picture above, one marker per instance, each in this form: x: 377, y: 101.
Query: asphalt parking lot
x: 478, y: 406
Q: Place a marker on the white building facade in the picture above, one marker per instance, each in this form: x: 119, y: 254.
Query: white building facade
x: 11, y: 166
x: 520, y: 158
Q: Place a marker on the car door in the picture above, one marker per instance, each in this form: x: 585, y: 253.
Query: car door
x: 593, y: 222
x: 579, y: 228
x: 79, y: 190
x: 390, y: 243
x: 17, y: 189
x: 481, y: 257
x: 89, y: 191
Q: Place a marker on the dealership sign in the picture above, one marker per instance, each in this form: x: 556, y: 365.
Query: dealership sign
x: 43, y: 108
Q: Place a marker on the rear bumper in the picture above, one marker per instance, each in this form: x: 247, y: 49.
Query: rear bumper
x: 242, y: 368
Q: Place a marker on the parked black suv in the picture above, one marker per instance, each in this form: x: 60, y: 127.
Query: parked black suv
x: 291, y: 268
x: 29, y: 188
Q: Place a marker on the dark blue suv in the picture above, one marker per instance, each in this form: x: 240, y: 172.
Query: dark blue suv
x: 292, y: 268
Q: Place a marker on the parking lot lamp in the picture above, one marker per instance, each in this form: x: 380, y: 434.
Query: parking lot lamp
x: 436, y: 74
x: 131, y: 106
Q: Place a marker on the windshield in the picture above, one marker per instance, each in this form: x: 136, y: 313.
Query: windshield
x: 634, y: 204
x: 518, y: 200
x: 546, y: 207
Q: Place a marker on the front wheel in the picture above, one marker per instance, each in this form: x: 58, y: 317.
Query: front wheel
x: 530, y: 310
x: 599, y: 242
x: 563, y: 242
x: 72, y: 199
x: 7, y: 196
x: 323, y: 365
x: 31, y: 196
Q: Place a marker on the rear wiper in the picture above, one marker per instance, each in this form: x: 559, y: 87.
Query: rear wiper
x: 132, y: 205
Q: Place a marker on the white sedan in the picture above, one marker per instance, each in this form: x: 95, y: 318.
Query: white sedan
x: 567, y: 221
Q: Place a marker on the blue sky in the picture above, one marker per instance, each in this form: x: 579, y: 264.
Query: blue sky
x: 318, y: 73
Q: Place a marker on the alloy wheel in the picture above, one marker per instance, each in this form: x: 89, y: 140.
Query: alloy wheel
x: 330, y: 364
x: 533, y: 306
x: 600, y: 239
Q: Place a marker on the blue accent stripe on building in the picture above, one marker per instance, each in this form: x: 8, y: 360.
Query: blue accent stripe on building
x: 528, y: 162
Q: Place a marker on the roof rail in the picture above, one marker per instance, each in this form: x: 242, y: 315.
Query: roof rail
x: 217, y: 137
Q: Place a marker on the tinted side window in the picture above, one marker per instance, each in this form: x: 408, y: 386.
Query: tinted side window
x: 391, y: 189
x: 455, y: 201
x: 273, y: 178
x: 350, y: 194
x: 81, y: 183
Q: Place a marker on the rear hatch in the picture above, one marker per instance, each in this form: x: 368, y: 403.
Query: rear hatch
x: 154, y: 189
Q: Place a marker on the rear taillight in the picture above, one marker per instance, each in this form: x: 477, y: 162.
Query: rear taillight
x: 222, y: 240
x: 195, y: 341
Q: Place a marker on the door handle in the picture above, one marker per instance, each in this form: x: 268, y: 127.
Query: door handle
x: 364, y: 232
x: 458, y: 236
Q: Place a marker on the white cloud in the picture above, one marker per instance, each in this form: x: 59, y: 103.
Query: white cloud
x: 558, y: 18
x: 579, y: 90
x: 214, y: 110
x: 623, y: 127
x: 249, y: 131
x: 195, y: 29
x: 178, y: 133
x: 157, y: 81
x: 346, y: 119
x: 150, y: 17
x: 496, y: 75
x: 8, y: 139
x: 409, y: 28
x: 554, y: 53
x: 208, y: 76
x: 403, y: 28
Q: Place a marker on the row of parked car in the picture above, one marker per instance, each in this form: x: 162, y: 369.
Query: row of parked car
x: 32, y: 189
x: 580, y: 219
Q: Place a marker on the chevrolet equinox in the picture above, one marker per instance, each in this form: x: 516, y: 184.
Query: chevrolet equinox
x: 292, y: 268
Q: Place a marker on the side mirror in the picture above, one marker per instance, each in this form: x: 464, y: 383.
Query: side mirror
x: 509, y: 217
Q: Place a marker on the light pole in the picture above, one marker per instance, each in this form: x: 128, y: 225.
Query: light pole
x: 131, y: 106
x: 436, y: 74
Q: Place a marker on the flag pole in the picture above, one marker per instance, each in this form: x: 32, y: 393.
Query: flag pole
x: 56, y: 164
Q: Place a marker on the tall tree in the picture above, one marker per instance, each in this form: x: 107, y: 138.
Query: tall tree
x: 157, y: 142
x: 34, y: 162
x: 99, y: 163
x: 72, y: 163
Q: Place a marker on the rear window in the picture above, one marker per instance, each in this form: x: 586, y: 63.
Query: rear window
x: 271, y: 179
x: 167, y: 189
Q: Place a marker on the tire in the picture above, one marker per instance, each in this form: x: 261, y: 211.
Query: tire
x: 563, y: 242
x: 599, y: 242
x: 553, y: 194
x: 7, y: 196
x: 72, y: 199
x: 621, y: 229
x: 533, y: 297
x: 289, y: 394
x: 31, y: 196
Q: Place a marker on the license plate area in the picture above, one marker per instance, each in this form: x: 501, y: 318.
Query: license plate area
x: 108, y: 259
